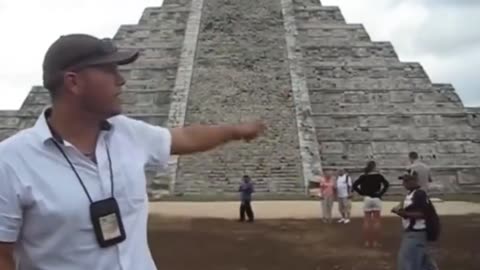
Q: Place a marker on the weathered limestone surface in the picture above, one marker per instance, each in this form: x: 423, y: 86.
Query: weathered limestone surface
x: 242, y: 72
x: 367, y: 105
x: 332, y: 97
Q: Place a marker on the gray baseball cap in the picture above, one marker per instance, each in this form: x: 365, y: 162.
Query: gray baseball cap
x: 77, y: 51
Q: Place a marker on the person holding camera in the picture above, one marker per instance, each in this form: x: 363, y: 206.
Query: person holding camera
x: 420, y: 225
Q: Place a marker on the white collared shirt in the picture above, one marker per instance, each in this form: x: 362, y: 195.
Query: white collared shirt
x: 45, y: 211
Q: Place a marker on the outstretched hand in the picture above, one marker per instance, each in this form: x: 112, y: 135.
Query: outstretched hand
x: 249, y: 131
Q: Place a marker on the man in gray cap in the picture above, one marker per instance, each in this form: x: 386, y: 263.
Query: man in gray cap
x: 73, y: 188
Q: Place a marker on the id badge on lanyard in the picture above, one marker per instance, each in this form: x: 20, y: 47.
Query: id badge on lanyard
x: 107, y: 222
x: 104, y: 214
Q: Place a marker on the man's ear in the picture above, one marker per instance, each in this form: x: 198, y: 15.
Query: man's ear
x: 71, y: 82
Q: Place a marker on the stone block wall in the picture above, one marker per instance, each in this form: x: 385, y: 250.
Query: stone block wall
x: 367, y: 105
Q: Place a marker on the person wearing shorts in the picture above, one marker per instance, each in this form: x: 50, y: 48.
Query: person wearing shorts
x: 343, y: 187
x: 372, y: 186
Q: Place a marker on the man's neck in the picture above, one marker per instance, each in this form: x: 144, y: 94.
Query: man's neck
x: 78, y: 128
x: 413, y: 188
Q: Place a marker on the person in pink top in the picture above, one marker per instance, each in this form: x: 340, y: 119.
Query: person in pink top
x: 327, y: 192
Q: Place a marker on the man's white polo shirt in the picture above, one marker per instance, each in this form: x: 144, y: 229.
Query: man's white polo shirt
x: 44, y: 209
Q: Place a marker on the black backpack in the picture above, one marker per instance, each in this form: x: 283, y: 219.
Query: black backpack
x: 432, y: 222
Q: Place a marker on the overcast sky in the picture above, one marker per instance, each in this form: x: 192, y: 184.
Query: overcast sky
x: 442, y: 35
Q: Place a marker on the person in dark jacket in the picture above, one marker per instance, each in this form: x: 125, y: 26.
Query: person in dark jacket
x: 372, y: 186
x: 414, y: 210
x: 246, y: 189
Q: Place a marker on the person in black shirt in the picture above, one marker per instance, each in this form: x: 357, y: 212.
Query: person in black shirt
x: 371, y: 185
x: 413, y: 253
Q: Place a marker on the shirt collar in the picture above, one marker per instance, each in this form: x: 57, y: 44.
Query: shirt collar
x: 47, y: 133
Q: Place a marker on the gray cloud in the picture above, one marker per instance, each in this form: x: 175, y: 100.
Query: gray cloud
x: 461, y: 70
x: 449, y: 30
x: 451, y: 3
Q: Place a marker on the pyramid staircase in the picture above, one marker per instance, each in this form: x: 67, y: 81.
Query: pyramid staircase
x: 333, y: 98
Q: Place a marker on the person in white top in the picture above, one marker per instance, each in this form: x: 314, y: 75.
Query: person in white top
x: 343, y: 189
x: 73, y: 187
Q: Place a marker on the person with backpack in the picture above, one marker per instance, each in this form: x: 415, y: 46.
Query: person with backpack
x: 343, y: 187
x: 421, y: 225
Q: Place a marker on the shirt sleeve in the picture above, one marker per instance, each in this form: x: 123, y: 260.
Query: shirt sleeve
x: 154, y: 141
x: 10, y: 205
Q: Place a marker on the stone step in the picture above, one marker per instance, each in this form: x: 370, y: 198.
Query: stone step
x: 157, y: 15
x: 9, y: 120
x: 387, y: 160
x: 152, y: 46
x: 168, y: 65
x: 379, y: 96
x: 394, y: 83
x: 448, y: 91
x: 133, y: 98
x: 473, y: 116
x: 399, y: 147
x: 321, y: 69
x: 332, y: 33
x: 387, y: 119
x: 147, y: 83
x: 135, y: 31
x: 151, y: 41
x: 341, y: 53
x: 319, y: 14
x: 390, y: 108
x: 331, y: 27
x: 234, y: 191
x: 396, y: 133
x: 368, y: 66
x: 150, y: 79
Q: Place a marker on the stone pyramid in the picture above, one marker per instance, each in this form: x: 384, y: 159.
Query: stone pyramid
x: 333, y: 98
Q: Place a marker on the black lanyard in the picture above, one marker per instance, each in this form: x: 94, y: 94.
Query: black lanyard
x: 78, y: 176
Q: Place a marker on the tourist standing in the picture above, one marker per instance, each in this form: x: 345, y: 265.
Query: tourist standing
x: 327, y: 192
x: 372, y: 186
x: 343, y: 189
x: 422, y: 170
x: 246, y: 189
x: 417, y: 212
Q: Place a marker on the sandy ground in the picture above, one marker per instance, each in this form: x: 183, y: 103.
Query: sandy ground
x: 299, y: 244
x: 286, y: 209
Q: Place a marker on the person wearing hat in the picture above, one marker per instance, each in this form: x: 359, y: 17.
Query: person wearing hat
x: 414, y: 210
x: 73, y: 186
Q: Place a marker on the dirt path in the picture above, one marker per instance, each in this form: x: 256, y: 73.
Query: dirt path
x: 286, y: 209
